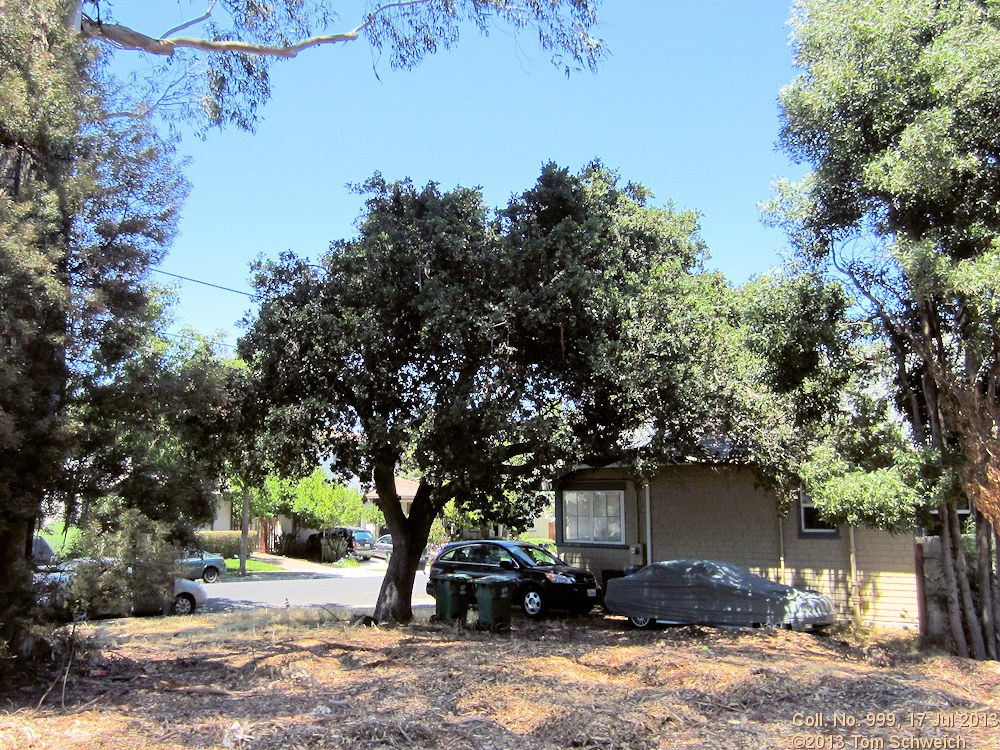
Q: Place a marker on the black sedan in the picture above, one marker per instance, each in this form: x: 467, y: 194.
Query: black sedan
x: 708, y: 592
x: 542, y: 580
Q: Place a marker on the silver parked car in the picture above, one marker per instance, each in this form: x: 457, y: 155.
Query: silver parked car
x: 383, y: 547
x: 709, y: 592
x: 54, y: 590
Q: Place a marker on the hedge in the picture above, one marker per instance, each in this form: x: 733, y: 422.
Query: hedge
x: 226, y: 543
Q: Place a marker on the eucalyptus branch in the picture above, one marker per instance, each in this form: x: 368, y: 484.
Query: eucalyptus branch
x: 192, y: 22
x: 127, y: 38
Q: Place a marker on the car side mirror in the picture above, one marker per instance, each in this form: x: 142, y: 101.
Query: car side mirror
x: 507, y: 564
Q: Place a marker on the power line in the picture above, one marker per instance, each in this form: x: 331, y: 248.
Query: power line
x: 223, y: 344
x: 205, y: 283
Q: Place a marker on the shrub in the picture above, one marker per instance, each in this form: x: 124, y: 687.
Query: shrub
x: 225, y: 543
x: 120, y: 566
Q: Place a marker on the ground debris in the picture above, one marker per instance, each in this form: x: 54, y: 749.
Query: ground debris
x: 588, y: 683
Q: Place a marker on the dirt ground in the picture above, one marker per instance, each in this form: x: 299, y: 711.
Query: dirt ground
x: 297, y: 679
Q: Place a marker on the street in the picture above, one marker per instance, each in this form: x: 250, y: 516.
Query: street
x: 347, y: 587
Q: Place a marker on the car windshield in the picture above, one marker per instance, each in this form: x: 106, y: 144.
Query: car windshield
x: 537, y: 556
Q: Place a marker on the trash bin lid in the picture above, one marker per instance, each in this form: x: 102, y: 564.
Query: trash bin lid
x: 498, y: 578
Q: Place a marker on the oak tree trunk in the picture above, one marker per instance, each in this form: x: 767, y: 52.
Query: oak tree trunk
x: 409, y: 538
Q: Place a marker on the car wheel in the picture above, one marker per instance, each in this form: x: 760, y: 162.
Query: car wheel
x: 183, y: 605
x: 533, y: 603
x: 642, y: 622
x: 365, y: 559
x: 211, y: 575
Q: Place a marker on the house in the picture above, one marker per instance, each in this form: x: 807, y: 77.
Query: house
x: 607, y: 521
x: 405, y: 488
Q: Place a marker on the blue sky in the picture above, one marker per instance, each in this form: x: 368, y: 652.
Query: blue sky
x: 685, y: 103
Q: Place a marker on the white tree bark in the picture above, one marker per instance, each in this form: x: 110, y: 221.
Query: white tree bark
x: 127, y: 38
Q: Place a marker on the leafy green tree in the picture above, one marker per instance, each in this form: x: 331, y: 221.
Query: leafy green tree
x: 315, y: 501
x: 122, y: 560
x: 149, y: 433
x: 893, y: 110
x: 784, y: 351
x: 484, y: 352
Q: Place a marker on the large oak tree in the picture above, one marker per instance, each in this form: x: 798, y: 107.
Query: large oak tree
x: 483, y: 351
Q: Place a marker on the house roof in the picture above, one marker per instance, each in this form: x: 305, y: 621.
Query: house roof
x: 407, y: 489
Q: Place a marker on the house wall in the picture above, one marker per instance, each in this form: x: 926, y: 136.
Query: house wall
x: 716, y: 512
x: 713, y: 513
x: 223, y: 515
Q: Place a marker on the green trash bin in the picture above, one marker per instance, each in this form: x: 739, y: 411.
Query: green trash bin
x: 493, y: 595
x: 451, y: 597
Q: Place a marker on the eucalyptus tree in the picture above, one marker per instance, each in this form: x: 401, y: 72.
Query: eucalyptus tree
x: 481, y: 351
x: 895, y: 111
x: 216, y: 61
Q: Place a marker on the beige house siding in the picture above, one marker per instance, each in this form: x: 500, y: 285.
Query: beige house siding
x: 887, y: 577
x: 716, y: 512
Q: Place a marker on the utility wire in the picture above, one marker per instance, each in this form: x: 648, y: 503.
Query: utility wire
x: 196, y: 281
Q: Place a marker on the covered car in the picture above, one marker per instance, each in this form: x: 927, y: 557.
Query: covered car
x: 710, y: 592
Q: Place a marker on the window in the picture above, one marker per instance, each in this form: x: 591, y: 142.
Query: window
x: 594, y: 516
x: 810, y: 522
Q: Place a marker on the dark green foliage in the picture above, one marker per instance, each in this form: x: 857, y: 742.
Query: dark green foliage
x: 895, y: 111
x: 122, y: 565
x: 87, y: 203
x: 480, y: 352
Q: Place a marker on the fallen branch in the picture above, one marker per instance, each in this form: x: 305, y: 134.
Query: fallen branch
x: 175, y: 687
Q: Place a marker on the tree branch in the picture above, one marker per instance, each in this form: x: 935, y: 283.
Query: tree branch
x: 192, y: 22
x: 127, y: 38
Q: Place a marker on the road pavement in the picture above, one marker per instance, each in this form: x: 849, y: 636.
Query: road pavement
x: 301, y: 583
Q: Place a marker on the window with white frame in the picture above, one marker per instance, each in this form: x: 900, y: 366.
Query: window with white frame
x: 810, y: 521
x: 594, y: 515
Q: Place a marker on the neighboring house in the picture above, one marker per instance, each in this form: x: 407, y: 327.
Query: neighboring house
x: 405, y: 488
x: 606, y: 521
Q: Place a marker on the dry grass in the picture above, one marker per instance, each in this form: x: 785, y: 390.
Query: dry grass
x: 303, y: 679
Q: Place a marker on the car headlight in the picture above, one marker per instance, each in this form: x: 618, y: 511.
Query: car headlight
x: 559, y: 578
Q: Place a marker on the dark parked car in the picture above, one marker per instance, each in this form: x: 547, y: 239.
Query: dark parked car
x: 708, y: 592
x: 362, y: 543
x: 41, y: 551
x: 200, y: 564
x: 543, y: 581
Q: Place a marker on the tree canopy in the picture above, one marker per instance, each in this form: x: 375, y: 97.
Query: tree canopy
x: 89, y: 197
x: 481, y: 351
